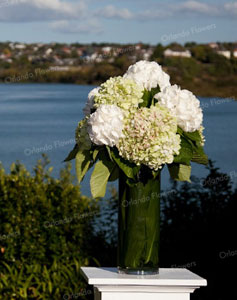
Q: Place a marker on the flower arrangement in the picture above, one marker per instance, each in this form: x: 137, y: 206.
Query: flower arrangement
x: 138, y: 121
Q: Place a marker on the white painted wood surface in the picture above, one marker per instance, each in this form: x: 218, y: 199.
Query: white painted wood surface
x: 169, y: 284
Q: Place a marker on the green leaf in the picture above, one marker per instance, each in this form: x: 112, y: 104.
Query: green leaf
x: 95, y: 153
x: 109, y: 152
x: 129, y: 169
x: 185, y: 153
x: 83, y: 163
x: 115, y: 174
x: 148, y: 97
x: 180, y: 172
x: 203, y: 160
x: 156, y: 174
x: 72, y: 154
x: 99, y: 178
x: 199, y: 156
x: 193, y: 136
x: 180, y: 131
x: 194, y: 140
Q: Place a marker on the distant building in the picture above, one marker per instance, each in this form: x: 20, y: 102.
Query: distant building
x: 11, y: 45
x: 17, y: 46
x: 66, y: 50
x: 147, y: 54
x: 48, y: 51
x: 106, y: 50
x: 2, y: 56
x: 20, y: 46
x: 225, y: 53
x: 213, y: 45
x: 92, y: 57
x: 58, y: 60
x: 79, y: 52
x: 138, y: 47
x: 235, y: 53
x: 6, y: 58
x: 40, y: 45
x: 177, y: 53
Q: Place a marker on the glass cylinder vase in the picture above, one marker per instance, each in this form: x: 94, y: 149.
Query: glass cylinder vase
x: 139, y: 226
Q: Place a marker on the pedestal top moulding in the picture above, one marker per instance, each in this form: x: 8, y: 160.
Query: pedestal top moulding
x: 170, y: 284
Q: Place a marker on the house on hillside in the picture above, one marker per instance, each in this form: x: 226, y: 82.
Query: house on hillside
x: 2, y: 56
x: 235, y: 53
x: 177, y: 53
x: 106, y: 50
x: 79, y: 51
x: 20, y: 46
x: 6, y: 57
x: 48, y: 51
x: 213, y: 45
x: 225, y: 53
x: 147, y: 53
x: 66, y: 50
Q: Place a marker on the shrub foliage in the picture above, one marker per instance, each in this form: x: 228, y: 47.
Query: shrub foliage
x: 46, y: 233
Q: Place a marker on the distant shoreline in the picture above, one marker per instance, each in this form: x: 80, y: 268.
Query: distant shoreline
x: 208, y: 70
x: 212, y: 92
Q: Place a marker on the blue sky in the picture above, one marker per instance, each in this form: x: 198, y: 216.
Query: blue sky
x: 124, y: 21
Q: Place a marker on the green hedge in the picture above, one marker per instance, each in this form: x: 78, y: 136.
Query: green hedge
x: 46, y: 234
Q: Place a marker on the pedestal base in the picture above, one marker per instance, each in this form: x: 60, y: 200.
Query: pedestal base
x: 169, y: 284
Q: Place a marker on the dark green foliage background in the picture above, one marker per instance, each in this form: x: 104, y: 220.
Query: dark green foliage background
x: 46, y: 234
x: 40, y: 259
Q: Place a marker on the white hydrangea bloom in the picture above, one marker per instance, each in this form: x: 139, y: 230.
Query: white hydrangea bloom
x: 148, y: 75
x: 183, y: 105
x: 105, y: 125
x: 90, y: 101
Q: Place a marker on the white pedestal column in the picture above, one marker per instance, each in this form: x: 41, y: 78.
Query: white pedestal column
x: 169, y: 284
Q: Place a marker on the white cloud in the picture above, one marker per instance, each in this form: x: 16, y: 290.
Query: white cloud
x: 161, y: 11
x: 64, y: 26
x: 193, y: 6
x: 67, y: 16
x: 189, y: 7
x: 153, y: 14
x: 231, y: 8
x: 112, y: 12
x: 41, y: 10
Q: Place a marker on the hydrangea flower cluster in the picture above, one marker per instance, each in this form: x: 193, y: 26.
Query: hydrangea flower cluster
x: 203, y: 140
x: 123, y: 92
x: 90, y: 101
x: 136, y: 124
x: 105, y: 126
x: 116, y: 116
x: 150, y: 137
x: 148, y: 75
x: 184, y: 106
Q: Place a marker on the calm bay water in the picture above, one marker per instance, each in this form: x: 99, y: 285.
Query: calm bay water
x: 41, y: 118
